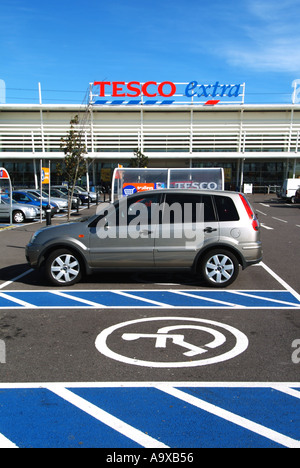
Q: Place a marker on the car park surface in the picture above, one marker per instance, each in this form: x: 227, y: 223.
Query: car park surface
x: 250, y: 399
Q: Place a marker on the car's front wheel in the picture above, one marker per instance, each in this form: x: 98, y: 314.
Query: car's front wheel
x: 18, y: 217
x: 63, y: 268
x: 219, y: 268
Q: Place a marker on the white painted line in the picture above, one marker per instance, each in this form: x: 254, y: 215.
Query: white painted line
x: 150, y: 301
x: 232, y: 417
x: 18, y: 301
x: 123, y: 428
x: 215, y: 301
x: 281, y: 281
x: 79, y: 299
x: 261, y: 212
x: 6, y: 443
x: 147, y: 384
x: 289, y: 391
x: 266, y: 227
x: 4, y: 285
x: 297, y: 225
x: 243, y: 293
x: 278, y: 219
x: 265, y: 204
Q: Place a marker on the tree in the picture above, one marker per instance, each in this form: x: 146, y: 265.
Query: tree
x: 74, y: 164
x: 140, y: 159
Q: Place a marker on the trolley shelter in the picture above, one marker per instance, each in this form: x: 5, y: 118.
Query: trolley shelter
x: 127, y: 181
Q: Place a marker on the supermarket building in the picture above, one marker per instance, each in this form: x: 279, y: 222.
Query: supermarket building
x: 254, y: 143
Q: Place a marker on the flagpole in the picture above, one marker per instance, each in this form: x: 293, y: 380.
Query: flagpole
x: 41, y: 181
x: 49, y: 180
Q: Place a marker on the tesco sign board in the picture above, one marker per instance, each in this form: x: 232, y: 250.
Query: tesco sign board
x: 168, y: 89
x: 135, y: 88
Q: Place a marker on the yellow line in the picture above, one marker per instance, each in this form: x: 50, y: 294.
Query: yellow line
x: 6, y: 228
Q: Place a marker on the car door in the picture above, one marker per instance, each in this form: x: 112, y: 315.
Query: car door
x: 187, y: 224
x: 4, y: 209
x: 123, y: 236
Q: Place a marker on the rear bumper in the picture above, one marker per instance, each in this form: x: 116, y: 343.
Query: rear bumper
x: 252, y: 254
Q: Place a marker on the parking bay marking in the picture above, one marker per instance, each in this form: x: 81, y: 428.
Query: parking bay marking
x: 53, y: 299
x: 233, y: 414
x: 151, y: 298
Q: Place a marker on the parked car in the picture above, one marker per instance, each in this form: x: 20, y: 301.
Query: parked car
x: 25, y: 198
x: 59, y: 194
x: 297, y: 196
x: 61, y: 204
x: 82, y: 197
x: 91, y: 195
x: 20, y: 213
x: 79, y: 193
x: 210, y: 233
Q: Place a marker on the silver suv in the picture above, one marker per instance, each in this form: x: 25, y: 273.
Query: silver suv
x: 208, y: 232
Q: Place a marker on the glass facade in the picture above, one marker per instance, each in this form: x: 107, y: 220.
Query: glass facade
x: 253, y: 144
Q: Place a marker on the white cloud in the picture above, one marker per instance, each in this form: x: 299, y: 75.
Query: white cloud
x: 270, y: 38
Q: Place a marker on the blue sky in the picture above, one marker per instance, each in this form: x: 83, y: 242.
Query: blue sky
x: 66, y: 44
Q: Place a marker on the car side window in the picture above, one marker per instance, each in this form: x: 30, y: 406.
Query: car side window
x: 24, y: 198
x: 226, y: 209
x: 209, y: 211
x: 182, y: 206
x: 142, y: 208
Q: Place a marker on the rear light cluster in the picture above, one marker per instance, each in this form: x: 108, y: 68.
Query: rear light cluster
x: 251, y: 214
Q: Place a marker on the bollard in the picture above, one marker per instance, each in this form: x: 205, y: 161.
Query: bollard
x: 48, y: 215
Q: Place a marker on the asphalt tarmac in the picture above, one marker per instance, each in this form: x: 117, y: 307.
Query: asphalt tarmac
x: 58, y: 343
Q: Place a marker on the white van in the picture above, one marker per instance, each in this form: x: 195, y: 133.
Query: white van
x: 289, y: 188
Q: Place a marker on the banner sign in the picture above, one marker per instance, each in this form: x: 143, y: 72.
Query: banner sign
x: 45, y: 175
x: 193, y: 92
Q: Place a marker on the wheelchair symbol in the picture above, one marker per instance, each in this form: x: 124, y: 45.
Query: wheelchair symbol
x: 211, y: 336
x: 162, y: 336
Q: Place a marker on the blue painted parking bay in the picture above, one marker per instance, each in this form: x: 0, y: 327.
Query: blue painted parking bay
x: 175, y: 299
x: 153, y: 416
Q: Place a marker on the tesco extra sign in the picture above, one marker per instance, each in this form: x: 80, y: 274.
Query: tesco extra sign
x: 166, y: 89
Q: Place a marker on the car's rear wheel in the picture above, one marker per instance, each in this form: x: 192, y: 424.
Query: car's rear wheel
x: 63, y: 268
x: 219, y: 268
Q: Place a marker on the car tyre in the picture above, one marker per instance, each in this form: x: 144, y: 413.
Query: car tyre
x: 219, y: 268
x: 18, y: 217
x: 63, y: 268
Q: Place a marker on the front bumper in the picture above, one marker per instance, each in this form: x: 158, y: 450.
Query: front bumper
x: 32, y: 254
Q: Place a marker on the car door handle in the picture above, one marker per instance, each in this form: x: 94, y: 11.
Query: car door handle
x: 146, y: 232
x: 210, y: 229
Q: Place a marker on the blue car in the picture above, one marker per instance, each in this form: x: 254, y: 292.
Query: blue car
x: 29, y: 199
